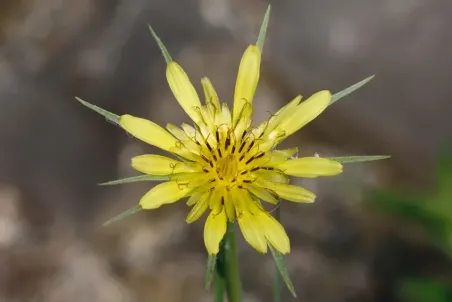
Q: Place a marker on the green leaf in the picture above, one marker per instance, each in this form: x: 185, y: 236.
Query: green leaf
x: 123, y: 215
x: 162, y: 47
x: 137, y: 179
x: 358, y: 158
x: 282, y: 269
x: 210, y: 272
x: 263, y: 30
x: 108, y: 115
x: 426, y: 290
x: 347, y: 91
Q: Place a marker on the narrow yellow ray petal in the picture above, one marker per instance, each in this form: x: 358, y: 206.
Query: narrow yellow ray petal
x: 183, y: 90
x: 280, y: 115
x: 161, y: 165
x: 200, y: 207
x: 210, y: 93
x: 274, y: 232
x: 229, y: 205
x: 288, y: 152
x: 288, y: 192
x: 214, y: 231
x: 148, y: 132
x: 164, y: 193
x: 195, y: 196
x: 305, y: 112
x: 247, y: 79
x: 261, y: 193
x: 310, y: 167
x: 273, y: 176
x: 252, y: 232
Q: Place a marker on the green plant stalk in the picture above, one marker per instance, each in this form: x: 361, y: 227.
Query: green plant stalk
x: 219, y: 287
x: 231, y: 269
x: 277, y: 279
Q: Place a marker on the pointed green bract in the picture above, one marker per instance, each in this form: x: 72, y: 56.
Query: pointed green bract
x: 281, y: 265
x: 123, y: 215
x: 108, y: 115
x: 137, y: 179
x: 337, y: 96
x: 277, y: 278
x: 263, y: 30
x: 162, y: 47
x: 357, y: 159
x: 210, y: 271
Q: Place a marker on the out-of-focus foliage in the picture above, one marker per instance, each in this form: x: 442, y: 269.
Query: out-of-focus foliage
x: 432, y: 212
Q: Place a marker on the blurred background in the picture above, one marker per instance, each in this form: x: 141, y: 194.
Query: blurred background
x: 381, y: 231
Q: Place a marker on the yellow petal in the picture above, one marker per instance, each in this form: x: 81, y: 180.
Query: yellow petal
x: 183, y: 90
x: 247, y: 79
x: 305, y: 112
x: 311, y: 167
x: 281, y: 115
x: 177, y: 132
x: 196, y: 195
x: 210, y: 93
x: 160, y: 165
x: 201, y: 206
x: 288, y: 152
x: 261, y: 193
x: 270, y: 176
x: 164, y: 193
x: 214, y: 231
x: 148, y: 132
x: 229, y: 205
x: 288, y: 192
x: 274, y: 232
x: 252, y: 232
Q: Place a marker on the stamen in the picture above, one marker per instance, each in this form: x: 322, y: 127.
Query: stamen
x: 242, y: 146
x: 217, y: 134
x: 255, y: 157
x: 251, y: 146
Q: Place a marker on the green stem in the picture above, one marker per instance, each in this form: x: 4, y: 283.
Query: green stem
x: 277, y: 280
x: 232, y: 274
x: 219, y: 287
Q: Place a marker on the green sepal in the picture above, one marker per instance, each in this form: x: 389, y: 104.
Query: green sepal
x: 210, y: 271
x: 337, y: 96
x: 108, y: 115
x: 123, y: 215
x: 162, y: 47
x: 263, y: 29
x: 282, y: 268
x: 357, y: 159
x: 137, y: 179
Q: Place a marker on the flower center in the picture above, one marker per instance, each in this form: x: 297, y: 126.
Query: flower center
x: 227, y: 168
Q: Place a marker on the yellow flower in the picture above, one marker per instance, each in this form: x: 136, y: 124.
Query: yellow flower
x: 224, y: 164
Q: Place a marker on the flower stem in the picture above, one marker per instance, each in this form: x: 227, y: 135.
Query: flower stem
x: 219, y: 287
x: 232, y: 274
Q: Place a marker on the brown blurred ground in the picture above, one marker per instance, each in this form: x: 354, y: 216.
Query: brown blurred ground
x: 53, y: 151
